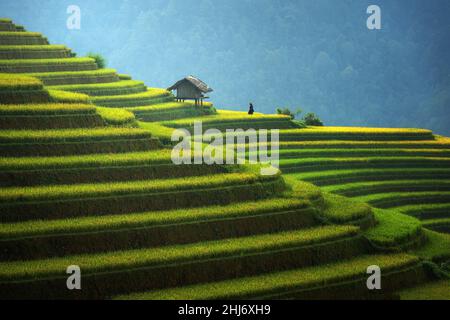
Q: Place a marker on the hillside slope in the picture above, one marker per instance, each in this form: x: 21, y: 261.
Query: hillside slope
x: 83, y: 185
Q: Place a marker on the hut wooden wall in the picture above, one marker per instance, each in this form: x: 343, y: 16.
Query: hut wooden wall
x: 188, y: 90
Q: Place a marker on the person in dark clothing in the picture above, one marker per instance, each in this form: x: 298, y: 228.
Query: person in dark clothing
x: 251, y: 110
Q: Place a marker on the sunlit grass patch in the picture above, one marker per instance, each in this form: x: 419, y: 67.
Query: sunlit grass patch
x: 222, y: 117
x: 45, y: 61
x: 115, y: 116
x: 42, y: 136
x: 393, y: 229
x: 19, y: 34
x: 170, y: 110
x: 150, y: 93
x: 86, y: 161
x: 33, y: 48
x: 167, y: 106
x: 68, y: 97
x: 12, y: 82
x: 303, y: 190
x: 118, y: 84
x: 46, y: 65
x: 437, y: 247
x: 343, y: 210
x: 151, y: 96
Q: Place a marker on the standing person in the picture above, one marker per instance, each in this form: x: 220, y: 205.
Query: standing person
x: 251, y: 110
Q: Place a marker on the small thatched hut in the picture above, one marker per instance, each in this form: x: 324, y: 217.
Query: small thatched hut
x: 191, y: 88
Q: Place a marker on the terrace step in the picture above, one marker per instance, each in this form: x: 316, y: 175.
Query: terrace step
x: 22, y: 38
x: 39, y: 239
x: 436, y: 290
x: 97, y: 168
x: 347, y: 153
x: 340, y: 280
x: 69, y: 135
x: 374, y: 187
x: 247, y: 124
x: 151, y: 96
x: 439, y: 225
x: 7, y: 26
x: 427, y: 211
x: 47, y: 65
x: 397, y: 199
x: 235, y: 120
x: 19, y: 89
x: 77, y: 77
x: 335, y: 177
x: 325, y: 164
x: 170, y: 111
x: 48, y: 116
x: 51, y: 122
x: 34, y: 52
x: 24, y: 96
x: 20, y: 28
x: 354, y: 134
x: 436, y: 247
x: 395, y: 231
x: 116, y: 117
x: 104, y: 274
x: 79, y: 147
x: 313, y: 135
x: 436, y: 143
x: 20, y: 143
x: 64, y: 201
x: 123, y: 87
x: 340, y: 210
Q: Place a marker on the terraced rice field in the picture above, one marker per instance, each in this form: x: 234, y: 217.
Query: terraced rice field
x: 77, y: 77
x: 81, y: 184
x: 233, y: 120
x: 16, y: 37
x: 112, y: 88
x: 411, y: 180
x: 46, y: 65
x: 35, y: 52
x: 170, y: 110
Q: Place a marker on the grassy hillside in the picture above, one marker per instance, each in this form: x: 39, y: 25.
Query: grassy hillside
x: 87, y: 179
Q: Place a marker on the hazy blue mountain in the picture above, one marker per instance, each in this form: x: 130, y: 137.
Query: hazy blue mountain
x: 314, y: 54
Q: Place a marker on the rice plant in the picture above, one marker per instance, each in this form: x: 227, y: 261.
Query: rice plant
x: 116, y: 116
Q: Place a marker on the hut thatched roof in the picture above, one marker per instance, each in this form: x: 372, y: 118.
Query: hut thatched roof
x: 199, y: 84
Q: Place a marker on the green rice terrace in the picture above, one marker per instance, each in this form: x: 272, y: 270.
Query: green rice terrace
x: 86, y: 178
